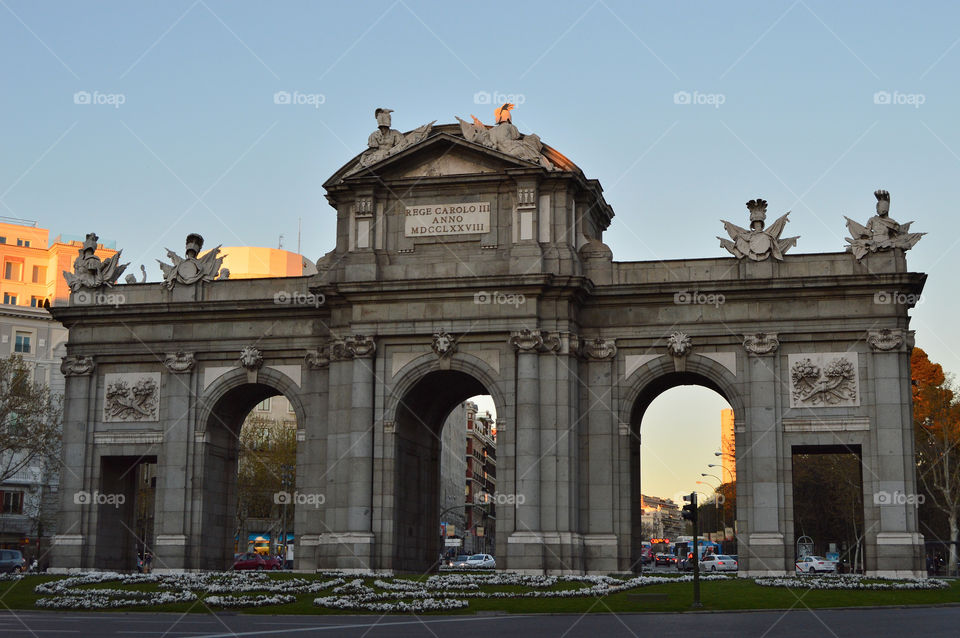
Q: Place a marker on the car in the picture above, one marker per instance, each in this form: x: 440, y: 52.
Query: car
x: 458, y: 562
x: 718, y: 563
x: 12, y: 561
x: 814, y: 564
x: 481, y: 561
x: 685, y: 564
x: 665, y: 559
x: 253, y: 560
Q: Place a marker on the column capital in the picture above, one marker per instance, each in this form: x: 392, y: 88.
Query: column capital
x: 598, y: 349
x: 180, y: 362
x: 885, y: 339
x: 77, y: 365
x: 761, y: 343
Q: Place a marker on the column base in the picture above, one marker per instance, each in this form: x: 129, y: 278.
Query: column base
x: 345, y: 551
x: 539, y: 552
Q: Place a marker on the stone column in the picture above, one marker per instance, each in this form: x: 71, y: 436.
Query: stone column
x: 891, y: 505
x: 309, y: 521
x: 349, y: 543
x: 525, y: 544
x: 600, y: 542
x: 763, y: 548
x: 73, y: 542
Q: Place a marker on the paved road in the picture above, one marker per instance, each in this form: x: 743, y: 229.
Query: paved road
x: 942, y: 622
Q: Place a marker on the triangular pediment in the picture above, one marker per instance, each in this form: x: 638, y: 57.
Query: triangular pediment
x: 440, y: 155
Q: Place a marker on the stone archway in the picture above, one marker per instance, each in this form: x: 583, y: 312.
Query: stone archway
x: 223, y: 409
x: 645, y: 386
x: 418, y: 407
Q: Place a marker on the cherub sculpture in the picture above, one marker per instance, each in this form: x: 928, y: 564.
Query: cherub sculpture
x: 881, y: 232
x: 758, y: 244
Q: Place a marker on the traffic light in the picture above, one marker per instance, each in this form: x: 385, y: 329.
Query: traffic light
x: 689, y: 512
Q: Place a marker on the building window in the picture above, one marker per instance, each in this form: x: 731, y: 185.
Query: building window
x: 3, y: 240
x: 264, y: 406
x: 12, y: 270
x: 26, y: 243
x: 19, y: 242
x: 36, y: 302
x: 22, y: 343
x: 39, y: 274
x: 9, y: 299
x: 11, y: 502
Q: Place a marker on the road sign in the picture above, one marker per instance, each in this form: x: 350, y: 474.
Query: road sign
x: 453, y: 542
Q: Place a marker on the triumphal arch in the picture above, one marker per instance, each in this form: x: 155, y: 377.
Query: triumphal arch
x: 469, y: 259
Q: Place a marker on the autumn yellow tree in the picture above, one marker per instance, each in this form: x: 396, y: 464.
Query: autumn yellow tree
x: 936, y: 422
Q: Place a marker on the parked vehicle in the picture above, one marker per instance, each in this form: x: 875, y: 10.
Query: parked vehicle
x: 12, y: 561
x: 815, y: 564
x: 718, y: 563
x: 256, y: 561
x: 481, y: 561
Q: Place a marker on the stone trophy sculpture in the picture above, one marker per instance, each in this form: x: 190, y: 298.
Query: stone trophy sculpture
x: 386, y: 141
x: 505, y: 137
x: 758, y: 244
x: 191, y: 269
x: 881, y: 232
x: 89, y: 271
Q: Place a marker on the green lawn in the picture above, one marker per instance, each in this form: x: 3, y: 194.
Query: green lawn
x: 729, y: 594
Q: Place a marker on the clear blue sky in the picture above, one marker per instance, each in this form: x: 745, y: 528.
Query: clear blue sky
x: 199, y: 144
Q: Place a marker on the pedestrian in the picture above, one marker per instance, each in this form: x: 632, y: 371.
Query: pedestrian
x: 147, y: 560
x: 139, y: 563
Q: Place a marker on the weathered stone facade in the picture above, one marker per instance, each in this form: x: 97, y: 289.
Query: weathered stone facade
x: 571, y: 345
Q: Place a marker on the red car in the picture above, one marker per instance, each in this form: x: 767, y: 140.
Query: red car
x: 253, y: 560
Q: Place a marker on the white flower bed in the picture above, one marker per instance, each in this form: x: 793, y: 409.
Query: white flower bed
x: 853, y: 582
x: 249, y: 601
x: 346, y: 591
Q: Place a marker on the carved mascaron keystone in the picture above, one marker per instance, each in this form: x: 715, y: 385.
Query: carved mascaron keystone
x: 76, y: 366
x: 443, y: 343
x: 761, y: 343
x: 679, y: 344
x: 885, y: 339
x: 598, y: 349
x: 317, y: 359
x: 180, y: 362
x: 251, y: 358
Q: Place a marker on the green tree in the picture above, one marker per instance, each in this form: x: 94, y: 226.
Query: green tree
x: 267, y: 446
x: 30, y: 419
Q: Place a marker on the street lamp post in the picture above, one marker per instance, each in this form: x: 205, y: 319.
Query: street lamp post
x: 286, y: 481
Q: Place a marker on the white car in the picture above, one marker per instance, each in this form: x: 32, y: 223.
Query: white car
x: 814, y: 564
x: 718, y: 563
x: 481, y: 561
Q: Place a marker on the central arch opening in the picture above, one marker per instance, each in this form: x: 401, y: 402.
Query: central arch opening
x: 686, y: 422
x: 248, y: 477
x: 436, y: 400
